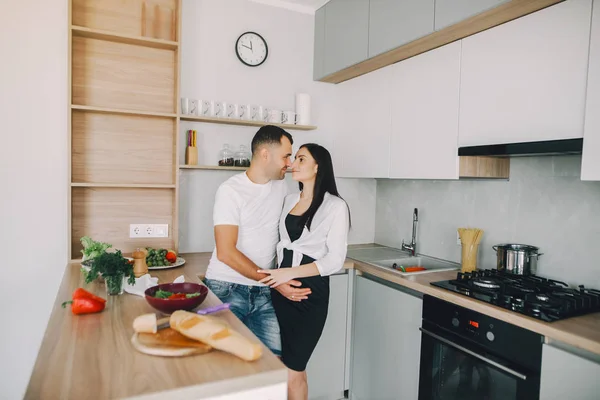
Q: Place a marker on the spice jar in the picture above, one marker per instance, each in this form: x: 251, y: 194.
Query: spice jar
x: 225, y: 157
x: 242, y: 157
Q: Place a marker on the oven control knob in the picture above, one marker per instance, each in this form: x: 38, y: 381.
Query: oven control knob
x: 490, y: 336
x: 455, y: 322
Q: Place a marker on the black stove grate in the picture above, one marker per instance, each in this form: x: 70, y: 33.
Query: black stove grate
x: 535, y: 296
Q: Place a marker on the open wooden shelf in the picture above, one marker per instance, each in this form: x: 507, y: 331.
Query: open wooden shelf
x: 122, y: 149
x: 123, y: 185
x: 231, y: 121
x: 217, y: 168
x: 213, y: 167
x: 106, y: 213
x: 80, y: 31
x: 118, y: 76
x: 121, y: 111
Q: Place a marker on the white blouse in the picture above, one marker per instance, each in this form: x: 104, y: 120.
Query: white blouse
x: 327, y: 240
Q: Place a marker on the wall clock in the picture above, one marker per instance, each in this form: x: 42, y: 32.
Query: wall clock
x: 251, y: 49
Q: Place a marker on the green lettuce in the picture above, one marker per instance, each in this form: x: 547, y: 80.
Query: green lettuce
x: 92, y: 249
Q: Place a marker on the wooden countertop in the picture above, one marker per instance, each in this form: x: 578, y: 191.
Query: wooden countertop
x: 91, y: 357
x: 581, y: 332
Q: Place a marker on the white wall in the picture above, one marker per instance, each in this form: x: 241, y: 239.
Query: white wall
x: 211, y: 70
x: 33, y: 177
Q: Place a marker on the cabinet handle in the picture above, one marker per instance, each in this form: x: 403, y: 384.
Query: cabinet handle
x: 472, y: 353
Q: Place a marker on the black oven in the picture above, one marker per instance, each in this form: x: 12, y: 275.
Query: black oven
x: 468, y: 355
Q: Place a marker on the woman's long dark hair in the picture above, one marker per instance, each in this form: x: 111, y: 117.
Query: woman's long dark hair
x: 324, y: 182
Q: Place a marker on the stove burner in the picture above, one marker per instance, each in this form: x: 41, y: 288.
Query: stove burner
x: 542, y: 297
x: 531, y: 295
x: 486, y: 283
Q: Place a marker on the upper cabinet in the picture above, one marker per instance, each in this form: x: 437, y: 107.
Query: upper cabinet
x: 393, y: 23
x: 363, y: 123
x: 346, y: 33
x: 590, y: 167
x: 356, y: 37
x: 424, y: 135
x: 450, y: 12
x: 526, y: 80
x: 319, y: 53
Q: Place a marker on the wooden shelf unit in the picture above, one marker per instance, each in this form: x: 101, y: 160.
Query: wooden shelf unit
x: 124, y: 89
x: 213, y: 167
x: 80, y: 31
x: 121, y: 111
x: 231, y: 121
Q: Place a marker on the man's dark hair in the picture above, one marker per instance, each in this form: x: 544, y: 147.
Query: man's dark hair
x: 269, y: 134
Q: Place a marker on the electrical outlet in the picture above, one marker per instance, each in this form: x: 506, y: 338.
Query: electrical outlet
x: 458, y: 239
x: 148, y: 230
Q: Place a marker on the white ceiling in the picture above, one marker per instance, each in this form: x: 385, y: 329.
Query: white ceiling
x: 303, y: 6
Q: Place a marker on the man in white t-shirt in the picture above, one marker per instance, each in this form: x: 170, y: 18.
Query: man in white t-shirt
x: 246, y: 223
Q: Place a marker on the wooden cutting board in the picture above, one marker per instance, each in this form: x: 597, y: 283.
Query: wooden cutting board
x: 168, y: 343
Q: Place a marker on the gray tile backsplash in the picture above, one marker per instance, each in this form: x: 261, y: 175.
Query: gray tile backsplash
x: 543, y: 204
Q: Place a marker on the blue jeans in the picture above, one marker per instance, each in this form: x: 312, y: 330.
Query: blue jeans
x: 252, y: 305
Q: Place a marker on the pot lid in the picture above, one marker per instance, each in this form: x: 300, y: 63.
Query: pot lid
x: 517, y: 247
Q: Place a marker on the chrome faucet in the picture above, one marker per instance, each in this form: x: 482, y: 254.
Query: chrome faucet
x: 412, y: 247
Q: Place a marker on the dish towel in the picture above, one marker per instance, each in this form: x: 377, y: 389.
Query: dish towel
x: 141, y: 284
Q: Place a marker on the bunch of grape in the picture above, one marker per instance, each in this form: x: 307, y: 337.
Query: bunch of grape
x: 157, y: 258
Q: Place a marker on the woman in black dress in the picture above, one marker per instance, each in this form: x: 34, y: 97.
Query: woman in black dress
x: 313, y: 241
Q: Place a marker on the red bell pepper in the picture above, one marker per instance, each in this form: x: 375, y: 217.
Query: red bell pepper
x: 85, y: 302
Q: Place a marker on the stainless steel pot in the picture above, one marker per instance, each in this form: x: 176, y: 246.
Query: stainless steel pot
x: 518, y: 259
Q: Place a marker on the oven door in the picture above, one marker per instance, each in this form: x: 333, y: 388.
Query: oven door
x: 456, y: 368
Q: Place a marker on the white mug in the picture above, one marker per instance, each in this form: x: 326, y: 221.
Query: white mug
x: 274, y: 116
x: 244, y: 112
x: 254, y: 113
x: 232, y: 111
x: 194, y: 107
x: 220, y: 109
x: 185, y: 105
x: 289, y: 117
x: 208, y: 108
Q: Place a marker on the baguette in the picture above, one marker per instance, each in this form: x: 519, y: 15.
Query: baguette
x: 215, y: 333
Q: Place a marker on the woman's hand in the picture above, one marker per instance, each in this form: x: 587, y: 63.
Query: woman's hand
x: 277, y: 277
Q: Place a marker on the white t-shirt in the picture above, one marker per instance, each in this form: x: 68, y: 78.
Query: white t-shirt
x: 255, y: 209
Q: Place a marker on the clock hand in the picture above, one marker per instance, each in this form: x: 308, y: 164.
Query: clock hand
x: 251, y: 47
x: 243, y: 45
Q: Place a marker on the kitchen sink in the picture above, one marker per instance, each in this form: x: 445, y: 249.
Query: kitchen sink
x: 386, y: 257
x: 432, y: 264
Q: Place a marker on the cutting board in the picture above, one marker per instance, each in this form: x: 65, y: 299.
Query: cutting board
x: 168, y: 343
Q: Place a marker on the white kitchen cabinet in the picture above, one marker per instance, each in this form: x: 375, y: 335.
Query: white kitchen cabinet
x: 363, y: 120
x: 326, y: 367
x: 566, y: 375
x: 590, y: 165
x: 425, y: 95
x: 525, y: 80
x: 386, y: 342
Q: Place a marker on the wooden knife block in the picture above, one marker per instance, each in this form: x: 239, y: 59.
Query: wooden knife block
x: 191, y: 155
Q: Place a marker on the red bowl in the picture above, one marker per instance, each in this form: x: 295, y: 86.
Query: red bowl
x: 170, y: 305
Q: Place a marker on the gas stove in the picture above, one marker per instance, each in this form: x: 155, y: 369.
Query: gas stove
x: 532, y: 295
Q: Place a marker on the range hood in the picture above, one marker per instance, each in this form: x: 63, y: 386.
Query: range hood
x: 541, y: 148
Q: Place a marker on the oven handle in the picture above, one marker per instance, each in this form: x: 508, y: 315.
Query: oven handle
x: 472, y: 353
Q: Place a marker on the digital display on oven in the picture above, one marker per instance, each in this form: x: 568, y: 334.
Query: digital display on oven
x: 474, y: 324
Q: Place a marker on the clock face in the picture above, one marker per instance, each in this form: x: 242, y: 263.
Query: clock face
x: 251, y: 49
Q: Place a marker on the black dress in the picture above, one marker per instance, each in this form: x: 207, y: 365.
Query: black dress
x: 301, y: 323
